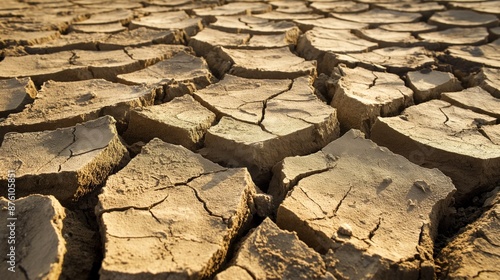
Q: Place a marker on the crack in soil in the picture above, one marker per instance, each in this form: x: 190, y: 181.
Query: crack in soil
x: 204, y: 203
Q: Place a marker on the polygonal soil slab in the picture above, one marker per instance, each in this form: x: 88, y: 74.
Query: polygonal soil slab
x: 279, y: 63
x: 63, y: 104
x: 140, y: 37
x: 463, y: 18
x: 487, y: 55
x: 489, y: 7
x: 414, y: 27
x: 11, y: 38
x: 318, y: 42
x: 182, y: 121
x: 15, y: 94
x: 361, y: 95
x: 269, y: 252
x: 251, y: 132
x: 457, y: 36
x: 386, y: 38
x: 292, y: 7
x: 240, y: 98
x: 55, y: 243
x: 207, y: 39
x: 171, y: 213
x: 436, y: 134
x: 113, y: 27
x: 425, y: 8
x: 122, y: 16
x: 66, y: 163
x: 39, y: 248
x: 170, y: 21
x: 252, y: 25
x: 81, y: 65
x: 393, y: 59
x: 275, y: 15
x: 71, y: 41
x: 489, y: 80
x: 428, y: 84
x: 475, y: 99
x: 179, y: 75
x: 475, y: 251
x: 339, y: 7
x: 376, y: 17
x: 329, y: 23
x: 377, y: 211
x: 232, y: 9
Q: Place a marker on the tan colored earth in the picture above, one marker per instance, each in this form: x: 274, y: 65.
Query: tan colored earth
x: 249, y: 139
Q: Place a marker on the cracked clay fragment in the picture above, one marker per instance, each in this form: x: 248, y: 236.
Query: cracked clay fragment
x: 251, y: 131
x: 64, y: 104
x: 269, y: 252
x: 279, y: 63
x: 66, y: 163
x: 437, y: 134
x: 171, y: 213
x: 40, y: 244
x: 361, y: 95
x: 182, y: 121
x: 475, y: 252
x: 356, y: 210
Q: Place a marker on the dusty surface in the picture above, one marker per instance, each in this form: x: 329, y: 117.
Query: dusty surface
x: 180, y: 217
x: 262, y: 87
x: 375, y: 210
x: 68, y: 163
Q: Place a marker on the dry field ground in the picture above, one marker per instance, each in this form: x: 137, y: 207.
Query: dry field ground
x: 183, y: 139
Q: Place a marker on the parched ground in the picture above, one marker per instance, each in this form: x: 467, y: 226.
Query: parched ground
x: 212, y: 139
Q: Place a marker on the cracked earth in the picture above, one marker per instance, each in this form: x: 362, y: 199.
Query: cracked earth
x: 211, y: 139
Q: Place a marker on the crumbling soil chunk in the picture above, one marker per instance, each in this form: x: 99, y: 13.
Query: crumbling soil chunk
x: 66, y: 163
x: 272, y: 253
x: 182, y: 121
x: 39, y: 246
x: 475, y: 99
x: 175, y: 220
x: 489, y: 80
x: 361, y: 95
x: 15, y: 94
x: 374, y: 213
x: 463, y: 18
x: 279, y: 63
x: 486, y: 55
x: 429, y: 84
x: 64, y: 104
x: 392, y: 59
x: 251, y: 133
x: 437, y: 134
x: 474, y: 252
